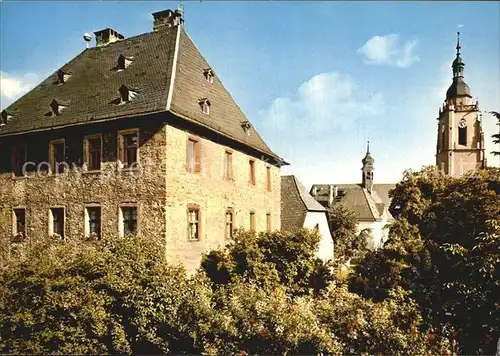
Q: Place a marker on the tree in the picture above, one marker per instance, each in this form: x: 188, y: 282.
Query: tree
x: 349, y: 244
x: 109, y: 297
x: 443, y: 249
x: 271, y: 258
x: 496, y: 137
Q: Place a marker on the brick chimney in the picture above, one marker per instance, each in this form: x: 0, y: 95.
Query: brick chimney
x: 167, y: 18
x: 106, y: 36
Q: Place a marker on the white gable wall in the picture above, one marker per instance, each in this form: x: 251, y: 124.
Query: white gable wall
x: 313, y: 218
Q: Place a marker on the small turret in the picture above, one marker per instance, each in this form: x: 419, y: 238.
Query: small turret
x: 367, y: 177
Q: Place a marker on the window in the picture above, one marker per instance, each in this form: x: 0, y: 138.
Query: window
x: 193, y: 155
x: 93, y: 223
x: 19, y: 222
x: 205, y: 105
x: 228, y: 165
x: 57, y: 156
x: 129, y: 148
x: 268, y: 222
x: 56, y: 222
x: 129, y: 220
x: 229, y: 223
x: 268, y: 179
x: 252, y: 172
x: 209, y: 75
x: 442, y: 139
x: 93, y: 152
x: 194, y: 223
x: 18, y: 160
x: 252, y: 221
x: 462, y: 136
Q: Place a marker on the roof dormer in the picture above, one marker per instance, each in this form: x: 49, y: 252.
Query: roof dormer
x: 127, y: 94
x: 63, y: 76
x: 57, y: 107
x: 246, y: 126
x: 123, y: 62
x: 209, y: 75
x: 205, y: 105
x: 5, y: 118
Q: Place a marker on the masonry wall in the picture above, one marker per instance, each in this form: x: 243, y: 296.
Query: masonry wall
x: 213, y: 194
x: 74, y: 190
x: 161, y: 189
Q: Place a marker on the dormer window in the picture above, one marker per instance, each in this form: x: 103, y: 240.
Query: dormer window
x: 205, y: 105
x: 62, y: 76
x: 246, y: 125
x: 5, y: 118
x: 123, y: 62
x: 127, y: 94
x: 57, y: 107
x: 209, y: 75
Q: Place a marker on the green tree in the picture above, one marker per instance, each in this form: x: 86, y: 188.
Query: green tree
x: 349, y: 244
x: 269, y: 259
x: 443, y: 249
x: 112, y: 297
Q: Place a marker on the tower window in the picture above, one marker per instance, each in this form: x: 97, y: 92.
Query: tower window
x: 19, y: 222
x: 194, y: 232
x: 229, y: 223
x: 56, y: 221
x: 462, y: 136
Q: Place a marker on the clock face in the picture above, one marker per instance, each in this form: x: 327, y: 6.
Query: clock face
x: 462, y: 124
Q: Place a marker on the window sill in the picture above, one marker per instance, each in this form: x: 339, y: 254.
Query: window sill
x: 92, y: 171
x: 194, y: 240
x: 14, y: 177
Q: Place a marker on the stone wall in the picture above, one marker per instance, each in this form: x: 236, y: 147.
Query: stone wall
x: 75, y: 189
x: 214, y: 194
x: 161, y: 189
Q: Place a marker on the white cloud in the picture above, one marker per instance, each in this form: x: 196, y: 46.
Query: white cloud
x: 387, y: 50
x: 13, y: 86
x: 322, y: 127
x: 327, y: 100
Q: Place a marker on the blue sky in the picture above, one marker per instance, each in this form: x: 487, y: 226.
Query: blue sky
x: 317, y: 79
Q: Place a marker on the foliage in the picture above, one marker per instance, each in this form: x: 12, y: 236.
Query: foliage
x: 270, y: 258
x: 496, y: 137
x: 349, y: 244
x: 112, y: 297
x: 443, y: 249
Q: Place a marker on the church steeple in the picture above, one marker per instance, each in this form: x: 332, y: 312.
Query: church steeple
x: 458, y: 87
x: 367, y: 177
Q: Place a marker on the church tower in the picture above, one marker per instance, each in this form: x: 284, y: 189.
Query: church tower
x: 460, y: 139
x: 368, y: 161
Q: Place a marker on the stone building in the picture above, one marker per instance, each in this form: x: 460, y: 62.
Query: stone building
x: 369, y: 201
x: 460, y: 137
x: 136, y: 136
x: 300, y: 210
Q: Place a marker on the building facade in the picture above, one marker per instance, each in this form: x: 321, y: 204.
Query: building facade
x: 300, y: 210
x: 460, y: 137
x: 368, y: 201
x: 135, y: 136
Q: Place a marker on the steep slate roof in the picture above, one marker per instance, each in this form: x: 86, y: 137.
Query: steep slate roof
x: 295, y: 203
x: 92, y: 91
x: 366, y: 206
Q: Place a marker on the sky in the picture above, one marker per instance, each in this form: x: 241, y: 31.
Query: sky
x: 316, y: 79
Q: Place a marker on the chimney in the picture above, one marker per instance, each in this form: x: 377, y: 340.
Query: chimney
x: 330, y: 197
x: 107, y: 36
x: 167, y: 18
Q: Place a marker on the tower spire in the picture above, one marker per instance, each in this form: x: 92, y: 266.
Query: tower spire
x: 368, y: 147
x: 458, y: 43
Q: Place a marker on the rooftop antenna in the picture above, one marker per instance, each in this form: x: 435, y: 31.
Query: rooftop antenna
x: 87, y: 37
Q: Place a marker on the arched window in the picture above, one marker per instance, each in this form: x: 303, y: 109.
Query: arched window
x: 462, y: 136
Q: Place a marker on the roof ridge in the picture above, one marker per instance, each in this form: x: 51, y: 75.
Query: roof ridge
x: 174, y: 68
x: 365, y: 193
